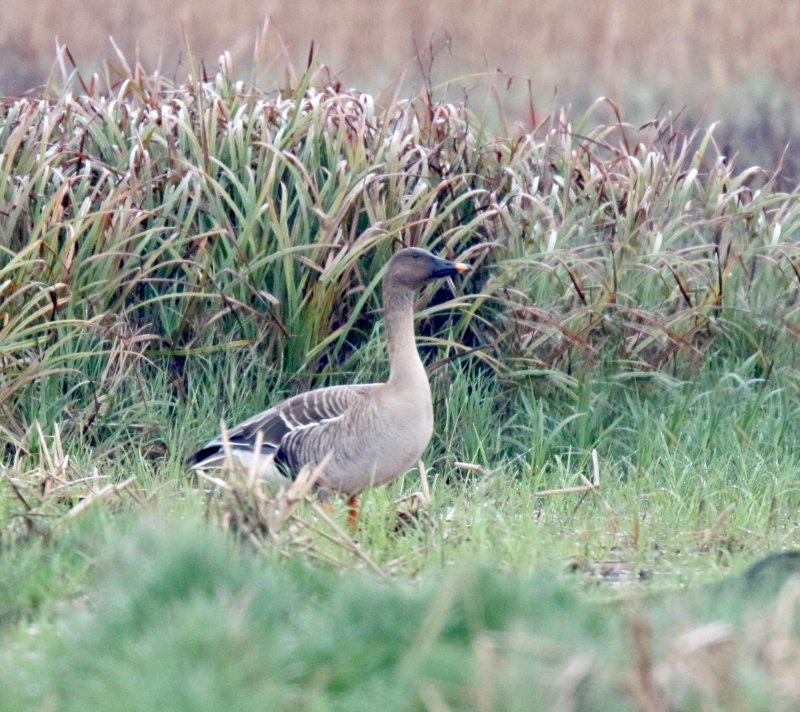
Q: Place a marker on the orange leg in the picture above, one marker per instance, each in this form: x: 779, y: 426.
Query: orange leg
x: 352, y: 512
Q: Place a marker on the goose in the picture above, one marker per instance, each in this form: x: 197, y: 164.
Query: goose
x: 369, y: 433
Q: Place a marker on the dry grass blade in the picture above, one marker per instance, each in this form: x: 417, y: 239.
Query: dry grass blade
x: 252, y: 508
x: 711, y: 536
x: 100, y: 495
x: 586, y: 487
x: 267, y: 516
x: 472, y: 467
x: 344, y: 540
x: 52, y: 488
x: 412, y: 508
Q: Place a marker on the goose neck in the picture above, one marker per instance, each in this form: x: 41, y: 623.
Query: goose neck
x: 405, y: 365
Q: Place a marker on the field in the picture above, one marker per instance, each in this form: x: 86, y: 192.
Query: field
x: 607, y: 516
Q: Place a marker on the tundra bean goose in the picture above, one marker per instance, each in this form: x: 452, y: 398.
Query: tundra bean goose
x: 373, y: 432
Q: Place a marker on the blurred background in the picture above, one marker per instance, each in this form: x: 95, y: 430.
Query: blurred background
x: 736, y: 61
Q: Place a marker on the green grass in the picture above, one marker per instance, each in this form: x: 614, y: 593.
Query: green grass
x: 178, y: 618
x: 176, y: 254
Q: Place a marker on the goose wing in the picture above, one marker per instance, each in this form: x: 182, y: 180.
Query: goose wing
x: 312, y: 412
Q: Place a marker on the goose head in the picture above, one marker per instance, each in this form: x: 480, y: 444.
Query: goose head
x: 413, y: 267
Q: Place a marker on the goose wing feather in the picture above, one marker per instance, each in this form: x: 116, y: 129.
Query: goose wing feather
x: 311, y: 411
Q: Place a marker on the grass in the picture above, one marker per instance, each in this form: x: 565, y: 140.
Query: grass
x: 176, y: 253
x: 179, y: 618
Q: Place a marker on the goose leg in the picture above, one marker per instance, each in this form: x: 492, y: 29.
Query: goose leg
x: 352, y: 512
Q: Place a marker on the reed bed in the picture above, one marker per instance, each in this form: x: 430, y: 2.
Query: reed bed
x: 152, y: 225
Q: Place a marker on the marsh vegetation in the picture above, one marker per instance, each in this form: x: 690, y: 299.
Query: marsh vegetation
x: 176, y: 252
